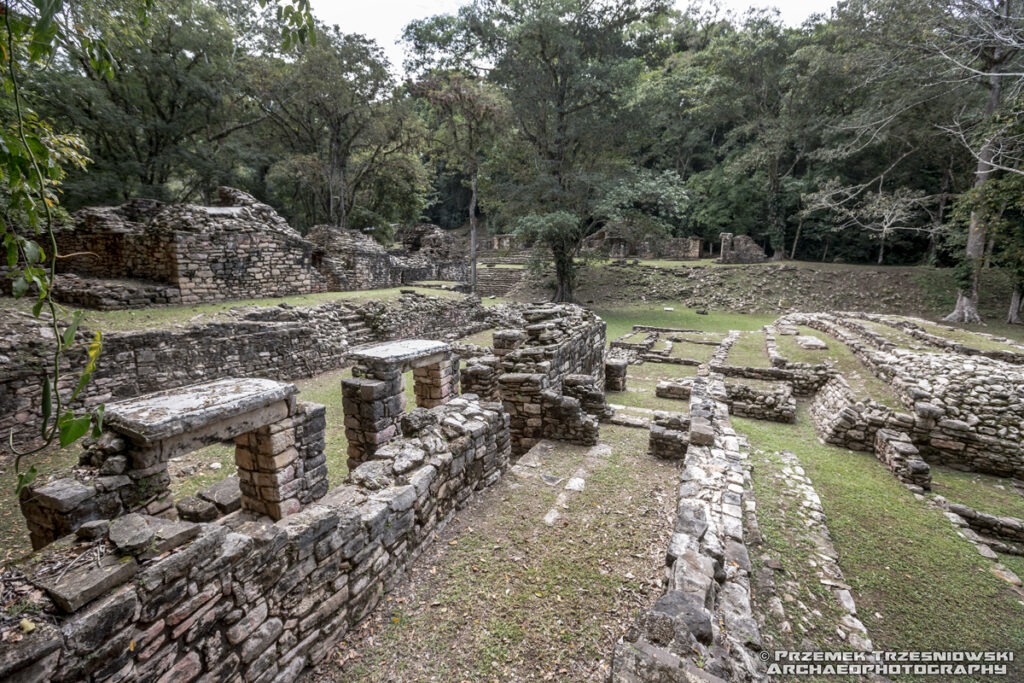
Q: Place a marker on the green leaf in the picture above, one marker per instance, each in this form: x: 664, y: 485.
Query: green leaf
x: 19, y: 287
x: 38, y: 307
x: 24, y: 479
x: 73, y: 430
x: 97, y: 417
x: 33, y: 253
x: 69, y: 332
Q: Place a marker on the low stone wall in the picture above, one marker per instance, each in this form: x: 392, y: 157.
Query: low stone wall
x: 898, y: 453
x: 915, y: 330
x: 989, y: 527
x: 586, y: 390
x: 776, y: 404
x: 966, y: 409
x: 244, y: 598
x: 670, y: 435
x: 842, y: 419
x: 702, y: 628
x: 271, y: 342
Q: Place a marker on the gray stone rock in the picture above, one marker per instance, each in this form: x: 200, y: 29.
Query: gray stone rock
x: 63, y: 495
x: 131, y: 533
x: 192, y: 509
x: 225, y: 494
x: 77, y: 588
x: 90, y: 531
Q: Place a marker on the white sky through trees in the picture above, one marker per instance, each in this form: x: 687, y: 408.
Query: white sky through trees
x: 383, y: 20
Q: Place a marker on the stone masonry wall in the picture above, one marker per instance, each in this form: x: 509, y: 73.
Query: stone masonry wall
x: 702, y: 628
x: 247, y: 599
x: 270, y: 342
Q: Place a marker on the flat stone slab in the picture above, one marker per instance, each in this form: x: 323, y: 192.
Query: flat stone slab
x: 810, y: 343
x: 225, y: 494
x: 77, y: 587
x: 400, y: 351
x: 155, y: 417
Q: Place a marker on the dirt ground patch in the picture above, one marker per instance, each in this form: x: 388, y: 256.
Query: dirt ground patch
x: 501, y: 595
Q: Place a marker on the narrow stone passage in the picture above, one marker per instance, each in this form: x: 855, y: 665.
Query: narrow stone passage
x: 502, y: 595
x: 803, y: 597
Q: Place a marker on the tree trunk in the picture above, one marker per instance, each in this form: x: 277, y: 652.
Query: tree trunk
x: 1016, y: 302
x: 564, y: 275
x: 796, y: 239
x: 472, y: 235
x: 824, y: 254
x: 776, y: 225
x: 881, y: 249
x: 966, y: 310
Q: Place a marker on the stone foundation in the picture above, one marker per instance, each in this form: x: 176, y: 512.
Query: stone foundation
x: 276, y: 342
x: 374, y: 399
x: 898, y: 453
x: 246, y: 598
x: 279, y: 453
x: 702, y: 628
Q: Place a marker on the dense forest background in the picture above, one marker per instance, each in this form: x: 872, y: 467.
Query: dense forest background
x: 887, y: 132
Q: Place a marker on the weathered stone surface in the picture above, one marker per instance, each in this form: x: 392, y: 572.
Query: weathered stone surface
x: 194, y: 509
x: 75, y: 589
x: 131, y: 533
x: 63, y: 495
x: 167, y: 413
x: 225, y: 494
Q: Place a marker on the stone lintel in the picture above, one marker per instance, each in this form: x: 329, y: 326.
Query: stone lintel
x: 161, y: 415
x: 406, y: 353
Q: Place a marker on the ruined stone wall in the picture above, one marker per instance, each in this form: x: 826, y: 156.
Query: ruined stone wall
x: 244, y: 598
x: 966, y: 410
x: 114, y: 242
x: 558, y: 341
x: 240, y: 249
x: 702, y: 628
x: 271, y: 342
x: 740, y: 249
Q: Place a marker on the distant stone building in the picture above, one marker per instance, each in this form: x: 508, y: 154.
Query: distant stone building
x: 612, y: 242
x: 740, y: 249
x: 146, y: 253
x: 349, y: 259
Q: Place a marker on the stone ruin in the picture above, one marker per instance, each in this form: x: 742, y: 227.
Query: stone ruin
x: 145, y: 253
x: 350, y: 259
x: 276, y: 342
x: 614, y: 243
x: 740, y: 249
x: 269, y: 586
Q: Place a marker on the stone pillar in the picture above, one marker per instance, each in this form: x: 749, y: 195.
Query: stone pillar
x: 615, y: 374
x: 370, y: 416
x: 726, y: 238
x: 434, y: 384
x: 268, y: 469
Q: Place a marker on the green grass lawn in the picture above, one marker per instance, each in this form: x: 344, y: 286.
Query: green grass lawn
x: 621, y: 320
x: 503, y: 596
x: 896, y: 336
x: 903, y: 558
x: 798, y: 354
x: 749, y: 350
x: 168, y: 316
x: 968, y: 338
x: 653, y: 370
x: 983, y: 492
x: 861, y: 379
x: 698, y: 352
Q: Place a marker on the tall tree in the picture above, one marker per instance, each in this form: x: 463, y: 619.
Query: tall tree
x: 347, y: 140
